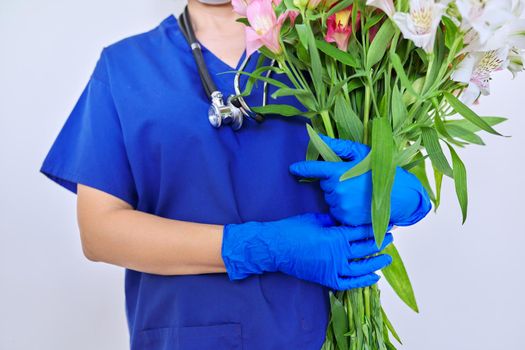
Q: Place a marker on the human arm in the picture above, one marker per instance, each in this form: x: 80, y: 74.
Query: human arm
x: 112, y: 232
x: 306, y: 246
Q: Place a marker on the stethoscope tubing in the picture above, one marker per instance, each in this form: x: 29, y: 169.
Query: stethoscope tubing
x: 207, y: 81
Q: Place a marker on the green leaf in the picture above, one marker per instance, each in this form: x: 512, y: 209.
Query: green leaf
x: 358, y: 169
x: 373, y: 20
x: 390, y: 326
x: 335, y: 53
x: 417, y: 86
x: 469, y: 114
x: 243, y: 20
x: 311, y: 151
x: 451, y: 31
x: 316, y: 66
x: 340, y: 323
x: 398, y: 67
x: 420, y: 171
x: 335, y: 90
x: 302, y: 32
x: 256, y: 75
x: 438, y: 179
x: 349, y: 126
x: 434, y: 150
x: 343, y: 4
x: 461, y: 133
x: 399, y: 110
x: 397, y: 276
x: 380, y: 43
x: 326, y: 152
x: 465, y: 124
x: 353, y: 84
x: 383, y: 172
x: 460, y: 181
x: 290, y: 92
x: 284, y: 110
x: 305, y: 97
x: 408, y: 153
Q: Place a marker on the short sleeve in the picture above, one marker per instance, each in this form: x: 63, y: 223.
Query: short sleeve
x: 90, y: 148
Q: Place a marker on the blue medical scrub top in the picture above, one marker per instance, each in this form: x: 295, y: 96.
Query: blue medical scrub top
x: 140, y: 132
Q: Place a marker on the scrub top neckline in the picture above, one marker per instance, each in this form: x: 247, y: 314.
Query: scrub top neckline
x: 171, y: 18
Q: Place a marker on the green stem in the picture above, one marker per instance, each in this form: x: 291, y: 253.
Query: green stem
x: 290, y: 74
x: 300, y: 78
x: 349, y: 311
x: 428, y: 81
x: 366, y: 113
x: 327, y: 123
x: 366, y: 292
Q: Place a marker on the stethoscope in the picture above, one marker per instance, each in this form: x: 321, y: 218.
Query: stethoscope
x: 235, y: 109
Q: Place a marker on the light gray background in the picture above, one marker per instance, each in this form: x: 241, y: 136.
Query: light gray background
x: 469, y: 279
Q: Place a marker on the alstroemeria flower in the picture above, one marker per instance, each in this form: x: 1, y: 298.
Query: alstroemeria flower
x: 421, y: 23
x: 485, y: 16
x: 387, y: 6
x: 265, y: 27
x: 240, y: 6
x: 311, y: 4
x: 511, y: 33
x: 339, y: 28
x: 516, y: 61
x: 476, y: 70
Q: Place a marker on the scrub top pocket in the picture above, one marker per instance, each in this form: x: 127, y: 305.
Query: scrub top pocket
x: 226, y: 336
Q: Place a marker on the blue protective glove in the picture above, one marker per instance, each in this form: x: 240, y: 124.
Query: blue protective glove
x: 306, y: 246
x: 350, y: 200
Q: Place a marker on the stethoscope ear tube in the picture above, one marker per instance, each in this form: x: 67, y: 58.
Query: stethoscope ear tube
x: 185, y: 24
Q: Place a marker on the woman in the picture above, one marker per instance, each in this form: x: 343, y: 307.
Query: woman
x: 222, y: 247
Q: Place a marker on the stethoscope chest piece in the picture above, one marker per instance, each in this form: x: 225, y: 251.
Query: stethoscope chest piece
x: 220, y: 113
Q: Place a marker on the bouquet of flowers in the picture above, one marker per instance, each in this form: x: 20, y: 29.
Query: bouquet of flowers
x: 399, y: 76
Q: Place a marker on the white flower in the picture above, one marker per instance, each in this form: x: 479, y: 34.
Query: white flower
x: 516, y: 64
x: 510, y: 34
x: 485, y: 17
x: 476, y: 70
x: 420, y: 24
x: 518, y: 7
x: 387, y: 6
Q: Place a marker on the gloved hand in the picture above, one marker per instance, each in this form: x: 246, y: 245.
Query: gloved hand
x: 350, y: 201
x: 306, y: 246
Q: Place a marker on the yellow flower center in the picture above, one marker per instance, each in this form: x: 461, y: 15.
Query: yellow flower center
x: 342, y: 18
x: 422, y: 19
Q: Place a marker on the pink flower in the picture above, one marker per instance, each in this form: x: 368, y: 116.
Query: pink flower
x: 340, y: 28
x: 239, y: 6
x: 265, y: 27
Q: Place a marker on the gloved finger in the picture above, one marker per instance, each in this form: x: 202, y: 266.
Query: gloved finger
x: 365, y: 266
x: 354, y: 233
x: 321, y: 219
x: 328, y: 185
x: 345, y: 283
x: 315, y: 169
x: 346, y: 149
x: 361, y: 249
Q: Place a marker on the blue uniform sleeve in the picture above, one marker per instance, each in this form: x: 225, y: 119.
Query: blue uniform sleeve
x: 90, y: 148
